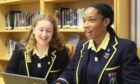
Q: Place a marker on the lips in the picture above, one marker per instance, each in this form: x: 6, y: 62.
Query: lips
x: 88, y: 33
x: 43, y: 38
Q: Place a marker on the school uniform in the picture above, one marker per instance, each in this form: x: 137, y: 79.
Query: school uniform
x: 48, y: 67
x: 114, y: 62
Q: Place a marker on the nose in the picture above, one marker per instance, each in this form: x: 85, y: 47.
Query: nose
x: 44, y: 33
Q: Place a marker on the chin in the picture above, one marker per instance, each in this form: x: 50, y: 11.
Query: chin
x: 43, y: 44
x: 88, y: 37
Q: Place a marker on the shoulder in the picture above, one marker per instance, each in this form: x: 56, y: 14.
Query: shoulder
x: 18, y: 52
x: 62, y: 50
x: 82, y: 44
x: 19, y: 47
x: 126, y: 42
x: 58, y: 51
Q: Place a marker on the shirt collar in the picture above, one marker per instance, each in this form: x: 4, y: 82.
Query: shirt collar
x: 43, y: 55
x: 103, y: 44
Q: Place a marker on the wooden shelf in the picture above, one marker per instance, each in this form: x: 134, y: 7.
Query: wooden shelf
x: 6, y: 2
x: 14, y: 31
x: 61, y: 0
x: 71, y: 30
x: 5, y: 58
x: 9, y: 1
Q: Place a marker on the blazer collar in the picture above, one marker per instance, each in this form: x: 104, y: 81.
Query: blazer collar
x: 40, y: 56
x: 103, y: 44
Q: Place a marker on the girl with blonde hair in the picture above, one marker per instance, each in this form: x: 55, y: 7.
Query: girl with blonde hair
x: 43, y: 55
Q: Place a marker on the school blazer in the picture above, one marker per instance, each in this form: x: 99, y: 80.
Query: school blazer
x: 58, y: 60
x: 123, y: 64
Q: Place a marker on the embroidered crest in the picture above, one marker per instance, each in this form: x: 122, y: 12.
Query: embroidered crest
x: 112, y: 78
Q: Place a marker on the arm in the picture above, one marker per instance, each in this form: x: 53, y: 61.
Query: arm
x: 130, y: 65
x: 67, y: 76
x: 65, y: 58
x: 13, y: 64
x: 60, y: 63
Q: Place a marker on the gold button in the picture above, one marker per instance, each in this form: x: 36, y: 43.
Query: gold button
x: 49, y: 63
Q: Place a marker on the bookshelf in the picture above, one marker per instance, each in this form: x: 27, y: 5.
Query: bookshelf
x: 48, y: 6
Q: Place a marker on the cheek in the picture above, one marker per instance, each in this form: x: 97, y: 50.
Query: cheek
x: 37, y: 34
x: 50, y: 36
x: 92, y: 32
x: 94, y: 26
x: 36, y: 37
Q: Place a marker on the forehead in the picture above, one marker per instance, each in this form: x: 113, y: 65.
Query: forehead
x: 90, y: 12
x: 44, y: 23
x: 41, y: 22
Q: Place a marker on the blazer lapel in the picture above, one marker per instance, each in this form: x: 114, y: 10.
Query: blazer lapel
x: 27, y: 57
x: 52, y: 58
x: 81, y: 65
x: 108, y: 56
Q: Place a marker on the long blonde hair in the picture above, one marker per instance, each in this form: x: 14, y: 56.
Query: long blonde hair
x: 55, y: 42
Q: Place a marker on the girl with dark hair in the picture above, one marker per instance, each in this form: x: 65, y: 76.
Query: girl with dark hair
x: 43, y: 55
x: 104, y: 58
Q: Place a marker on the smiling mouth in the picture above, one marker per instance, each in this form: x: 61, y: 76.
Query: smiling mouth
x: 43, y: 38
x: 88, y: 32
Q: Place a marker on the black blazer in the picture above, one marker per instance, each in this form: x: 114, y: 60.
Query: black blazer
x: 58, y: 60
x: 122, y: 60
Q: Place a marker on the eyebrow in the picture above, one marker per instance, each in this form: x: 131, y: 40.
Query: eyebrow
x: 47, y: 27
x: 88, y: 17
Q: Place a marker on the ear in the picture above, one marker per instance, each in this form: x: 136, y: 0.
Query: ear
x: 106, y: 21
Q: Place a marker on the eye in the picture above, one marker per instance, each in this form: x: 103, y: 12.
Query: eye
x: 92, y: 20
x: 49, y: 31
x: 41, y: 30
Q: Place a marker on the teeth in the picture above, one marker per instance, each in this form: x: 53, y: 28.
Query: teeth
x: 44, y: 38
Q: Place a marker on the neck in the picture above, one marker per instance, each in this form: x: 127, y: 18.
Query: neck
x: 41, y: 49
x: 99, y: 40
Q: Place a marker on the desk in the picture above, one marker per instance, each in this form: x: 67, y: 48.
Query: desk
x: 1, y: 80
